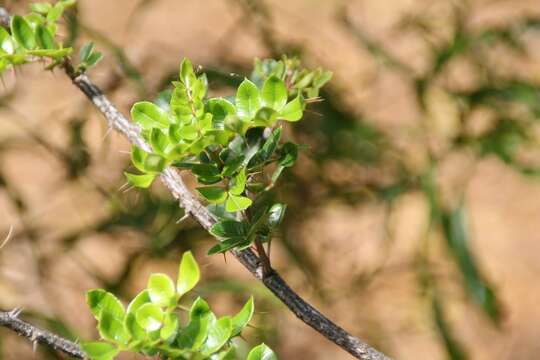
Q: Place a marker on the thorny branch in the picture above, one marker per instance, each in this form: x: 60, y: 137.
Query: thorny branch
x: 10, y: 319
x: 191, y: 205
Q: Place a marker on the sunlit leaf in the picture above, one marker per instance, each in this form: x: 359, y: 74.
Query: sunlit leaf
x: 99, y: 350
x: 149, y: 317
x: 22, y: 32
x: 161, y: 290
x: 44, y: 38
x: 170, y: 326
x: 218, y: 334
x: 148, y: 115
x: 213, y: 194
x: 237, y: 203
x: 294, y: 110
x: 141, y: 181
x: 188, y: 274
x: 274, y: 93
x: 239, y: 183
x: 247, y: 100
x: 130, y: 322
x: 261, y: 352
x: 240, y: 320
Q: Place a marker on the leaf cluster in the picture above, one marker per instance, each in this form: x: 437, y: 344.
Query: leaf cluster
x: 151, y: 325
x: 233, y: 146
x: 33, y: 36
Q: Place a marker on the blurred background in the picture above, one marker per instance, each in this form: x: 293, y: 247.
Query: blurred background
x: 414, y: 210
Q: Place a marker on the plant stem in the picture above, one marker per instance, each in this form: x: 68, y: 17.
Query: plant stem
x: 265, y: 260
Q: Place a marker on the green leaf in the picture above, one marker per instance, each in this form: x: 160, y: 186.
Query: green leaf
x: 112, y: 328
x: 218, y: 334
x: 182, y: 104
x: 213, y: 194
x: 86, y: 50
x: 205, y: 170
x: 44, y: 38
x: 261, y: 352
x: 98, y: 350
x: 268, y: 149
x: 229, y: 228
x: 186, y: 71
x: 276, y: 215
x: 228, y: 354
x: 34, y: 19
x: 294, y: 110
x: 220, y: 110
x: 266, y: 117
x: 149, y: 115
x: 161, y: 290
x: 289, y: 153
x: 194, y: 334
x: 237, y: 203
x: 304, y: 80
x: 140, y: 181
x: 55, y: 13
x: 239, y: 183
x: 159, y: 141
x: 322, y: 78
x: 149, y: 317
x: 188, y: 132
x: 232, y: 165
x: 93, y: 59
x: 228, y: 244
x: 188, y: 274
x: 110, y: 313
x: 22, y: 32
x: 247, y: 100
x: 274, y: 93
x: 6, y: 42
x: 130, y: 322
x: 138, y: 157
x: 240, y: 320
x: 154, y: 163
x: 101, y: 301
x: 41, y: 7
x: 170, y: 326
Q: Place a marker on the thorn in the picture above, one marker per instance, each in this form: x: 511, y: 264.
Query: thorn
x: 186, y: 215
x: 107, y: 133
x: 8, y: 237
x: 15, y: 313
x: 123, y: 186
x: 128, y: 189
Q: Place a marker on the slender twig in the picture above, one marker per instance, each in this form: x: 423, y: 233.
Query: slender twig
x: 10, y: 320
x: 191, y: 205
